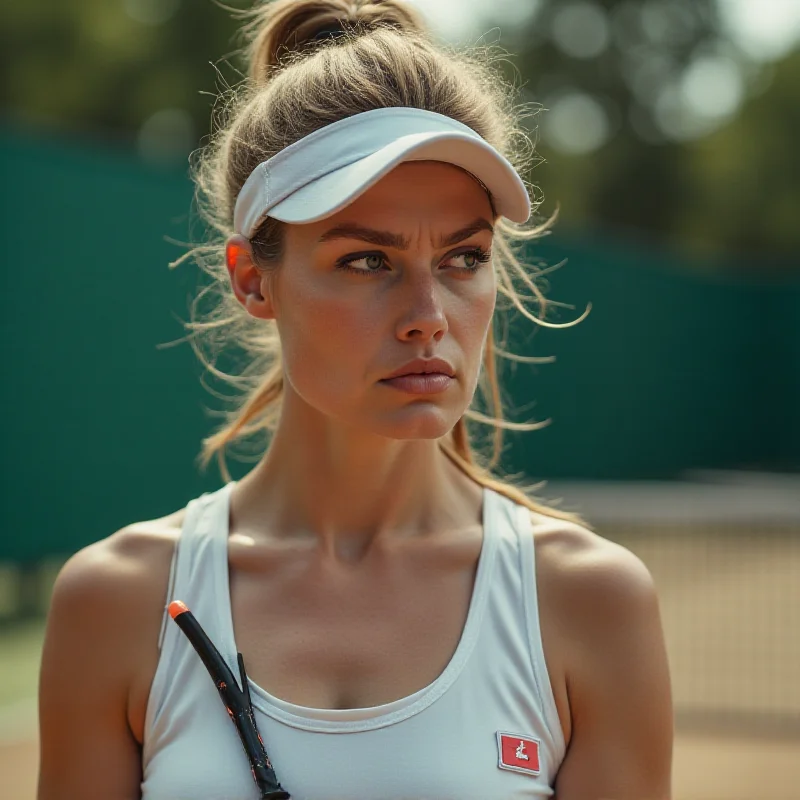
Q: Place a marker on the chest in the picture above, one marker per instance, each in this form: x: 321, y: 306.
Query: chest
x: 328, y: 636
x: 431, y: 756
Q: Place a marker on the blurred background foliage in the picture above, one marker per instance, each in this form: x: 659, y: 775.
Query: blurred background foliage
x: 668, y: 121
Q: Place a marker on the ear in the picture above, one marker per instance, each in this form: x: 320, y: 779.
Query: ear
x: 249, y: 283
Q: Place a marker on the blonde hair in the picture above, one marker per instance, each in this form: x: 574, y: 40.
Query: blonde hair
x: 312, y: 63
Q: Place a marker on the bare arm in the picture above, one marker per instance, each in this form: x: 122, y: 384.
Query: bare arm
x: 92, y: 652
x: 618, y: 682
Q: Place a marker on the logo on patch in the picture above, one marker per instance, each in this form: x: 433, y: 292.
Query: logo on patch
x: 518, y: 753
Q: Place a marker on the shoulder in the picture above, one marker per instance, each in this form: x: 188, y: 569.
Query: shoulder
x: 597, y: 600
x: 100, y: 650
x: 120, y: 566
x: 107, y: 596
x: 594, y: 580
x: 105, y: 616
x: 603, y: 602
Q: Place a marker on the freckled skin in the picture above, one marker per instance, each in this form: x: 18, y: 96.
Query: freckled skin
x: 342, y: 333
x: 351, y: 456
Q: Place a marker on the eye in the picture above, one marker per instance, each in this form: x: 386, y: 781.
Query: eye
x: 474, y: 259
x: 372, y: 262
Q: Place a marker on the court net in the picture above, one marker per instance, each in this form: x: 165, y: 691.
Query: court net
x: 724, y: 551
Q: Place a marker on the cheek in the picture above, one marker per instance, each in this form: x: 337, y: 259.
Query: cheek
x: 327, y: 338
x: 470, y: 324
x: 330, y: 338
x: 470, y: 328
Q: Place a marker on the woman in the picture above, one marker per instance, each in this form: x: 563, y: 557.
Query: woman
x: 412, y: 626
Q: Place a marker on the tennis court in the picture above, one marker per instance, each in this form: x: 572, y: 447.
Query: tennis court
x: 726, y: 558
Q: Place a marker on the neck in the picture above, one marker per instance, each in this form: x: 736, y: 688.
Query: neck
x: 351, y: 489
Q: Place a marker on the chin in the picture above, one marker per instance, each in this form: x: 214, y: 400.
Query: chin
x: 420, y: 421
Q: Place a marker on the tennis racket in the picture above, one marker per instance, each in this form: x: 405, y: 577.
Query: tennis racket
x: 236, y: 701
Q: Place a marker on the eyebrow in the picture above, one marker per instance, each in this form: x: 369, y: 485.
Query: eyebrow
x: 351, y: 230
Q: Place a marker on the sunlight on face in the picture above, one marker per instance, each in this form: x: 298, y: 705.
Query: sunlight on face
x: 410, y: 295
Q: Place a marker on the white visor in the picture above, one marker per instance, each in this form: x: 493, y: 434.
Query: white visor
x: 322, y: 173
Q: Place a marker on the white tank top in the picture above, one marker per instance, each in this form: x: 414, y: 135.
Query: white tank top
x: 487, y: 727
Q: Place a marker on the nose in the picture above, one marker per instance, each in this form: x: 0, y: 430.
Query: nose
x: 423, y: 316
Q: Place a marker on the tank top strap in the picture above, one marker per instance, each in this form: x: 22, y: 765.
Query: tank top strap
x: 527, y: 548
x: 195, y: 552
x: 202, y: 542
x: 180, y: 558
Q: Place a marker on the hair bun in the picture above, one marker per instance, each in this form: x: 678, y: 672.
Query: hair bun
x: 281, y: 28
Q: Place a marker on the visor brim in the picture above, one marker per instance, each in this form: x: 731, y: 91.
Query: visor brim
x: 333, y: 192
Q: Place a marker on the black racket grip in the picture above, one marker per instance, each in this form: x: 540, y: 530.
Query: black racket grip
x: 236, y: 701
x: 260, y: 765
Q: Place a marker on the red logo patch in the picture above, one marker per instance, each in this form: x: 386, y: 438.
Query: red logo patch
x: 518, y: 753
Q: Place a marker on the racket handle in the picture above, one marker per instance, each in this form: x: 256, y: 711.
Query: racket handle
x: 236, y: 701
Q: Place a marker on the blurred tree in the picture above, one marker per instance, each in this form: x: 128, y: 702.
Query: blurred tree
x: 109, y: 65
x: 746, y: 174
x: 658, y: 123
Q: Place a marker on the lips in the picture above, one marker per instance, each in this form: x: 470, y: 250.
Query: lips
x: 424, y: 366
x: 420, y: 383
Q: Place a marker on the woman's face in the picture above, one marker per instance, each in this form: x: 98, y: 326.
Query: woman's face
x: 424, y: 294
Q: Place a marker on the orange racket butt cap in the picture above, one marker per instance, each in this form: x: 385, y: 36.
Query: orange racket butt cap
x: 177, y: 607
